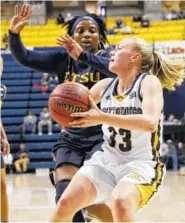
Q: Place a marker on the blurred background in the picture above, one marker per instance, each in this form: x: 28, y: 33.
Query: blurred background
x: 162, y: 23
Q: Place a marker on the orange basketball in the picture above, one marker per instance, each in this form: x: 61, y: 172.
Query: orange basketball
x: 68, y: 98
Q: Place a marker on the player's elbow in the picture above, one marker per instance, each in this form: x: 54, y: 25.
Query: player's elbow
x: 151, y: 125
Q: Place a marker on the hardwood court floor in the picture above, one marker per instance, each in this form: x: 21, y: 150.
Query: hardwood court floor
x: 31, y: 199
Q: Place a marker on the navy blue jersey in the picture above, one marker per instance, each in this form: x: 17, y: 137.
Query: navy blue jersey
x: 60, y: 63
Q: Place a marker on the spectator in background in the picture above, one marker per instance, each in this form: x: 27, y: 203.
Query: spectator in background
x: 60, y: 19
x: 137, y: 17
x: 118, y: 24
x: 44, y: 83
x: 172, y: 118
x: 172, y: 153
x: 45, y: 120
x: 164, y: 153
x: 172, y: 15
x: 21, y: 163
x: 183, y: 119
x: 8, y: 160
x: 5, y: 40
x: 145, y: 23
x: 29, y: 120
x: 181, y: 157
x: 68, y: 17
x: 53, y: 81
x: 181, y: 15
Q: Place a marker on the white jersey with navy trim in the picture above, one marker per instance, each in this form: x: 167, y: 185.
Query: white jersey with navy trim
x: 129, y: 145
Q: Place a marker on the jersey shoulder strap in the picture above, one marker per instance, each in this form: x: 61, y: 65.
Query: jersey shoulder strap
x: 108, y: 87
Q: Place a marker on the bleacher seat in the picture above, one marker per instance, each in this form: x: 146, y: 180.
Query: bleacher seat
x: 40, y: 146
x: 16, y: 82
x: 35, y: 165
x: 35, y: 81
x: 37, y: 75
x: 37, y: 104
x: 18, y: 97
x: 12, y: 120
x: 16, y: 69
x: 36, y: 96
x: 12, y: 129
x: 34, y: 137
x: 13, y: 137
x: 9, y: 112
x: 21, y: 89
x: 41, y: 138
x: 20, y: 104
x: 36, y: 111
x: 40, y: 155
x: 38, y: 89
x: 17, y: 76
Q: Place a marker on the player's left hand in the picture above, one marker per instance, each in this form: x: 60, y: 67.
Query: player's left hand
x: 90, y: 118
x: 6, y: 146
x: 72, y: 47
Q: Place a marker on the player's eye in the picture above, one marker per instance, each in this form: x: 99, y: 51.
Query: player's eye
x: 92, y: 31
x: 80, y: 31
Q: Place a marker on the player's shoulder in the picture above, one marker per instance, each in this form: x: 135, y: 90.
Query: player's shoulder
x: 151, y: 81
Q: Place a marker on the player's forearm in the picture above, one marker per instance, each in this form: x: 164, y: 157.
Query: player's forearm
x: 18, y: 50
x: 100, y: 63
x: 3, y: 134
x: 42, y: 61
x: 130, y: 122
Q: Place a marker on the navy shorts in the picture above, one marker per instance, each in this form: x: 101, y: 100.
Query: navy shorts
x: 2, y: 161
x: 74, y: 150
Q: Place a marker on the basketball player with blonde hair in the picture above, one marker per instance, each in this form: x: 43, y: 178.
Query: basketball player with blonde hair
x: 127, y: 173
x: 6, y: 150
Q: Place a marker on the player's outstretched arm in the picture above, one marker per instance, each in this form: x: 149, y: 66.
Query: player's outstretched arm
x: 101, y: 63
x: 43, y: 61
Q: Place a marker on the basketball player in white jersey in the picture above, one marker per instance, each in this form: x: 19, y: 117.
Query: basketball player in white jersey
x: 127, y: 173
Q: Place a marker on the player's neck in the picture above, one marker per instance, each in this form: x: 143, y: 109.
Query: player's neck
x: 126, y: 81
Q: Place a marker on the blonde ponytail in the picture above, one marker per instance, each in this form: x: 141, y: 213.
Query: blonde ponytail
x: 170, y: 72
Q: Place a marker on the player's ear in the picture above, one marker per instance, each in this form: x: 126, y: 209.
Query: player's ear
x: 136, y: 56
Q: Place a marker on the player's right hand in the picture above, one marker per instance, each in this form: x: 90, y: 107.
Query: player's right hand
x: 72, y: 47
x: 20, y: 19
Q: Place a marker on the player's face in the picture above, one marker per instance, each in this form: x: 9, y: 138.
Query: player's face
x: 86, y: 34
x: 122, y: 57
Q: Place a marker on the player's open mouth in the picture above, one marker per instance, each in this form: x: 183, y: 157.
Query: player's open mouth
x: 86, y: 44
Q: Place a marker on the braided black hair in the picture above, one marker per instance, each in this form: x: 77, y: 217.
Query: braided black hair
x: 102, y: 27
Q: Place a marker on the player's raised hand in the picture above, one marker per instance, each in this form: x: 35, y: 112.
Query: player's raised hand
x: 20, y: 19
x: 72, y: 47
